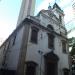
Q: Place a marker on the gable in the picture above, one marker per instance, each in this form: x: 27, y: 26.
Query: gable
x: 51, y: 15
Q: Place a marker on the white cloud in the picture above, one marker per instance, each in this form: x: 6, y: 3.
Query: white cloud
x: 64, y: 3
x: 68, y: 14
x: 6, y: 27
x: 72, y: 34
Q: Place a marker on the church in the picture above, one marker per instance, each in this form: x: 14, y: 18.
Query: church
x: 38, y: 45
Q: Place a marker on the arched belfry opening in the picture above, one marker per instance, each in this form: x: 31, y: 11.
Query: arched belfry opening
x: 51, y: 64
x: 50, y: 27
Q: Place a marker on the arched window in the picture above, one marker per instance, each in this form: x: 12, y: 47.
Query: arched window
x: 31, y: 68
x: 50, y: 27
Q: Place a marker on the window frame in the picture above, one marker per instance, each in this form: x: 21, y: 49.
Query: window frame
x: 14, y: 39
x: 64, y: 46
x: 34, y: 35
x: 50, y: 27
x: 50, y: 41
x: 60, y: 18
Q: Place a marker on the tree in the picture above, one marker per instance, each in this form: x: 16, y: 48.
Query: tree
x: 73, y: 50
x: 72, y: 45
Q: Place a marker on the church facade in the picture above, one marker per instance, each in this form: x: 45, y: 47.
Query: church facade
x: 38, y: 46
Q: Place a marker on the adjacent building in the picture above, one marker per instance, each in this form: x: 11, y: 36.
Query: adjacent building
x: 27, y: 8
x: 38, y: 46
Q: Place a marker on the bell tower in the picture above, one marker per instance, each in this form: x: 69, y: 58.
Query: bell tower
x: 27, y: 8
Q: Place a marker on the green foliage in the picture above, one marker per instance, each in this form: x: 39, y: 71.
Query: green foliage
x: 71, y: 41
x: 73, y: 50
x: 72, y: 44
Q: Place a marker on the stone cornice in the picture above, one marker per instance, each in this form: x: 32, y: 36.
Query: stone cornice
x: 44, y: 28
x: 35, y: 23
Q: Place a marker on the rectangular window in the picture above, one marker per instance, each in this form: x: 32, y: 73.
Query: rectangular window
x: 14, y: 38
x: 34, y: 35
x: 8, y: 46
x: 60, y: 18
x: 64, y: 46
x: 50, y: 41
x: 12, y: 41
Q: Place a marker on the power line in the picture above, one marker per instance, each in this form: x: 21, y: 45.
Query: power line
x: 70, y: 21
x: 71, y: 30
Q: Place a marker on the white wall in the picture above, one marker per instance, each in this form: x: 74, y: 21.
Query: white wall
x: 32, y: 49
x: 13, y: 51
x: 45, y: 21
x: 13, y: 56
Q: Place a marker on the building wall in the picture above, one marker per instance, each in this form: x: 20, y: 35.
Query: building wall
x: 3, y: 51
x: 63, y: 57
x: 15, y: 50
x: 32, y: 50
x: 45, y: 21
x: 42, y: 45
x: 32, y: 53
x: 12, y: 53
x: 1, y: 56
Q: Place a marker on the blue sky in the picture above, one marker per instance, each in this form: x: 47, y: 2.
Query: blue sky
x: 9, y: 11
x: 38, y: 2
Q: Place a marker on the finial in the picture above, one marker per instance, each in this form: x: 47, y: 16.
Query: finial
x: 49, y: 7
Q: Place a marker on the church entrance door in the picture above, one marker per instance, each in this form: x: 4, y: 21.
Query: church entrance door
x: 51, y: 64
x: 51, y: 68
